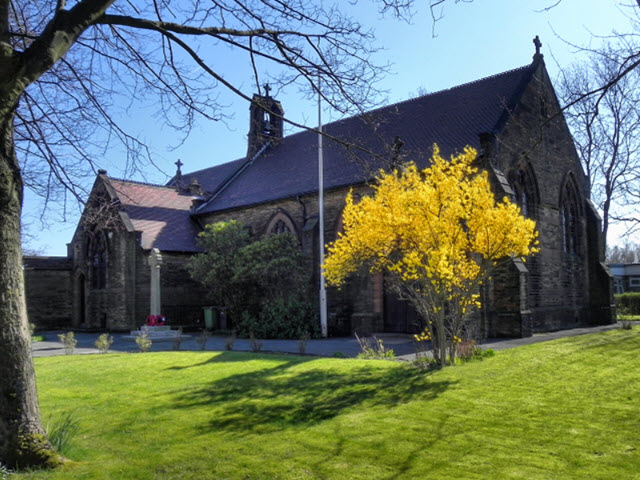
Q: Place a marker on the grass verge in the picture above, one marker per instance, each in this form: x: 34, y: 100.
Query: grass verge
x: 563, y: 409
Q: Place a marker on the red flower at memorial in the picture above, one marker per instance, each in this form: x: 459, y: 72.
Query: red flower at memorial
x: 155, y: 320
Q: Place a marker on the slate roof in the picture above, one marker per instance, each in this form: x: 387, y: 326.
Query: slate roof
x: 212, y: 178
x: 160, y: 213
x: 451, y: 118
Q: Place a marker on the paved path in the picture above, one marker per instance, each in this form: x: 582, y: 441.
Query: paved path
x: 402, y: 345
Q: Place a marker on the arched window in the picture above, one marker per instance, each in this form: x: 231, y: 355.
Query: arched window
x: 281, y: 227
x: 570, y: 217
x: 281, y: 223
x: 97, y: 256
x: 525, y: 188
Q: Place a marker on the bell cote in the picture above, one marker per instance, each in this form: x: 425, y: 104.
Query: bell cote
x: 265, y: 117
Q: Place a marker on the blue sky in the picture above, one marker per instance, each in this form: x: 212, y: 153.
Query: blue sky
x: 473, y: 40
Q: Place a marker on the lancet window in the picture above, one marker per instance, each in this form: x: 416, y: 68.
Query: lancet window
x: 97, y: 255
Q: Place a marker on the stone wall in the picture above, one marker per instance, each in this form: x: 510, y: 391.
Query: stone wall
x: 182, y: 298
x: 357, y: 306
x: 554, y: 289
x: 48, y: 291
x: 123, y: 302
x: 561, y: 287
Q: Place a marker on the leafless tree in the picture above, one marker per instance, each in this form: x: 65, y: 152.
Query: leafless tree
x: 627, y: 48
x: 625, y: 253
x: 70, y: 69
x: 601, y: 103
x: 606, y: 129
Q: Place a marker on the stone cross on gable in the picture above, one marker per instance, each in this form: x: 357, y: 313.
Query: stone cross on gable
x: 538, y: 44
x: 267, y: 89
x: 178, y: 164
x: 155, y: 261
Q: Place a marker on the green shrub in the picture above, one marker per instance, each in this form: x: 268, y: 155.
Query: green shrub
x: 229, y: 341
x: 424, y: 362
x: 302, y: 343
x: 177, y: 341
x: 144, y: 342
x: 467, y: 350
x: 4, y: 472
x: 104, y: 342
x: 263, y: 282
x: 256, y: 345
x: 373, y: 348
x: 628, y: 303
x: 201, y: 339
x: 283, y: 317
x: 69, y: 341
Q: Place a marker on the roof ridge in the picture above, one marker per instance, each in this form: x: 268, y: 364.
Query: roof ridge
x: 408, y: 100
x: 138, y: 182
x: 214, y: 166
x: 364, y: 114
x: 456, y: 87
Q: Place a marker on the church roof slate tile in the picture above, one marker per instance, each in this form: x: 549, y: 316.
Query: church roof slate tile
x: 451, y: 118
x: 161, y: 213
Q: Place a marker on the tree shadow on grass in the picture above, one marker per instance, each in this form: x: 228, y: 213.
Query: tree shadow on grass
x: 235, y: 357
x: 282, y: 396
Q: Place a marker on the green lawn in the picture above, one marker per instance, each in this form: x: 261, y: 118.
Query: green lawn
x: 564, y: 409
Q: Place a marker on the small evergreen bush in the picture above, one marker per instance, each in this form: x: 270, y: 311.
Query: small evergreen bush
x: 144, y: 342
x: 628, y: 302
x: 201, y: 339
x: 104, y: 342
x: 177, y: 341
x: 229, y: 341
x: 69, y: 341
x: 283, y: 317
x: 256, y: 345
x: 302, y: 343
x: 263, y: 282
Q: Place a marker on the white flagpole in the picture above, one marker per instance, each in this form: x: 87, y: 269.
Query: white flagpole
x: 323, y: 292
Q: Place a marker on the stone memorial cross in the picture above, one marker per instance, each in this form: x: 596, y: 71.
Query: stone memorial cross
x: 155, y: 261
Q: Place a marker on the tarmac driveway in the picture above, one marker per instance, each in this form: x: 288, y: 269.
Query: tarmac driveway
x: 403, y: 345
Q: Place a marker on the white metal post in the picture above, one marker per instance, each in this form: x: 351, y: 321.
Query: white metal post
x: 323, y: 292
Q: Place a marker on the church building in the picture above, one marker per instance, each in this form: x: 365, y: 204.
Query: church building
x: 512, y: 119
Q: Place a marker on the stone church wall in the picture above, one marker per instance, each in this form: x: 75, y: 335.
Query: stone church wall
x: 357, y: 307
x: 123, y: 303
x: 558, y: 282
x: 182, y: 298
x: 554, y: 289
x: 48, y: 291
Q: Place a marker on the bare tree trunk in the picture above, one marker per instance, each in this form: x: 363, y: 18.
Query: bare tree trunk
x: 23, y: 442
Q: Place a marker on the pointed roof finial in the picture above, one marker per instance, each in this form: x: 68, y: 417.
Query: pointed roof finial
x: 178, y: 171
x: 538, y: 44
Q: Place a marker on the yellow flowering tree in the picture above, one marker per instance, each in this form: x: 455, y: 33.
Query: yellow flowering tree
x: 435, y: 233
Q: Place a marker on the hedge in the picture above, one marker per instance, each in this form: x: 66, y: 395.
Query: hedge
x: 629, y: 301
